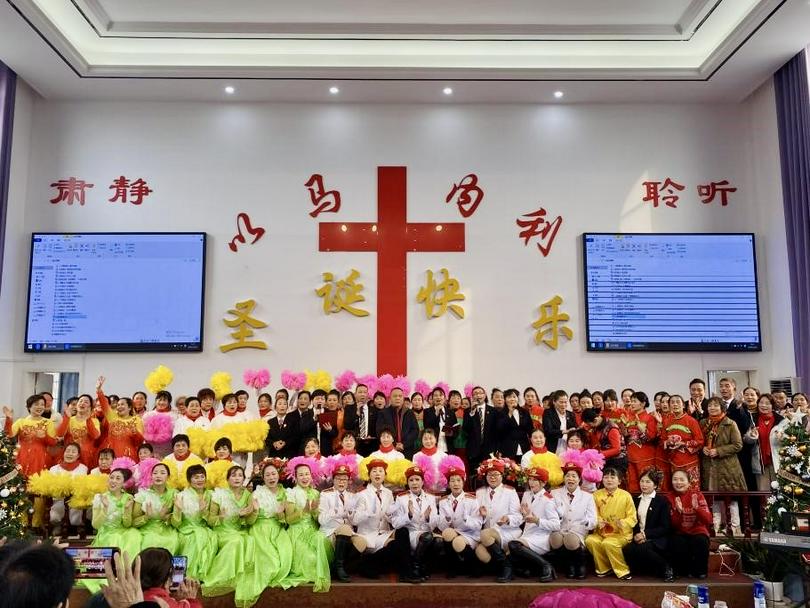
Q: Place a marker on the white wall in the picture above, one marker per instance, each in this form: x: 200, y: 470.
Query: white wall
x: 209, y: 161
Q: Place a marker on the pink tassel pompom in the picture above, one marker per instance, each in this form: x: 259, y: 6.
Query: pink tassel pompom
x: 385, y: 384
x: 571, y: 456
x: 468, y: 389
x: 592, y: 463
x: 423, y: 388
x: 311, y: 463
x: 402, y: 383
x: 158, y: 428
x: 124, y: 462
x: 145, y: 467
x: 333, y: 462
x: 345, y: 381
x: 450, y: 462
x: 293, y: 381
x: 444, y: 386
x: 256, y: 378
x: 431, y: 474
x: 370, y: 381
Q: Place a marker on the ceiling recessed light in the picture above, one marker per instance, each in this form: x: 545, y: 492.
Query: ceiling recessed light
x: 439, y: 228
x: 558, y: 94
x: 344, y: 227
x: 230, y: 90
x: 334, y: 90
x: 447, y: 91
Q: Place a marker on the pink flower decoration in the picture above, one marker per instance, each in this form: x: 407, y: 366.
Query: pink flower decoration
x: 124, y: 462
x: 158, y: 428
x: 431, y: 475
x: 370, y: 381
x: 444, y: 386
x: 402, y: 383
x: 318, y: 468
x: 293, y: 381
x: 256, y: 378
x: 333, y: 462
x: 385, y: 384
x: 145, y: 472
x: 345, y: 381
x: 468, y: 389
x: 450, y: 462
x: 422, y: 387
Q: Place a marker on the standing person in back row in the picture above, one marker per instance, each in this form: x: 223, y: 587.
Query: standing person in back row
x: 479, y: 429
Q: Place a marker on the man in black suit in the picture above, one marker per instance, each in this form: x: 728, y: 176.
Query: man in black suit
x: 304, y: 420
x: 401, y: 421
x: 553, y: 419
x: 696, y: 407
x: 360, y: 418
x: 479, y: 428
x: 647, y: 551
x: 441, y: 419
x: 282, y: 439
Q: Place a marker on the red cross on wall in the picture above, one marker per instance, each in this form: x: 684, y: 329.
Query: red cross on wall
x: 391, y: 237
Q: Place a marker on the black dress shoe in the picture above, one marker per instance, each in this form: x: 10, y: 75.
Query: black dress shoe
x: 669, y: 575
x: 572, y: 572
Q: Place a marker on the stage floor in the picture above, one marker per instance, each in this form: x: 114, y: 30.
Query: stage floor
x: 463, y: 592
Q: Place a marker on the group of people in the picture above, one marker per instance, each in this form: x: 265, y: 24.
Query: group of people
x: 244, y: 531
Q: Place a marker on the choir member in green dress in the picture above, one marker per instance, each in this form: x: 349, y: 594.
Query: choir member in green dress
x: 197, y: 540
x: 153, y: 510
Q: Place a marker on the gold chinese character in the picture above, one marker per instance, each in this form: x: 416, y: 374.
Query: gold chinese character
x: 244, y: 322
x: 550, y: 323
x: 438, y: 298
x: 342, y: 294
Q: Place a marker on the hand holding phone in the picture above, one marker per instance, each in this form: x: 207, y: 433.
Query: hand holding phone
x: 179, y: 566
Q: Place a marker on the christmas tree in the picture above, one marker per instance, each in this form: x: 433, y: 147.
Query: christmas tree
x: 14, y: 501
x: 791, y: 492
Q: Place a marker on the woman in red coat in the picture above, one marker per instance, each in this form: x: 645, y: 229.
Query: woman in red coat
x: 690, y: 518
x: 682, y: 440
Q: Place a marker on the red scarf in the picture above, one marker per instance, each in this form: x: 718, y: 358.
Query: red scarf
x: 227, y: 413
x: 348, y: 452
x: 70, y: 466
x: 542, y: 450
x: 182, y: 458
x: 429, y: 451
x: 714, y: 422
x: 105, y: 470
x: 263, y: 412
x: 765, y: 423
x: 386, y: 450
x: 194, y: 418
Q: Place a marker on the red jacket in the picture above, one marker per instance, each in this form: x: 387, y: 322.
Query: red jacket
x: 695, y: 517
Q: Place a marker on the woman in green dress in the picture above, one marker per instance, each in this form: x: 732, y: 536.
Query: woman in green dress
x: 272, y: 543
x: 153, y: 510
x: 197, y: 540
x: 235, y: 548
x: 112, y: 518
x: 311, y: 550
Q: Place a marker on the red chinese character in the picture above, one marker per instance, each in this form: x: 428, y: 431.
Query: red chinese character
x: 539, y: 226
x: 469, y: 195
x: 654, y: 189
x: 243, y: 221
x: 707, y: 192
x: 136, y: 190
x: 70, y: 190
x: 324, y: 201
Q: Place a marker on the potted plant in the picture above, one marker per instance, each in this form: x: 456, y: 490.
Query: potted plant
x: 768, y: 565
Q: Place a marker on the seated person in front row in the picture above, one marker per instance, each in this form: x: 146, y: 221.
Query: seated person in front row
x: 577, y: 512
x: 648, y: 551
x: 337, y: 508
x: 691, y: 518
x: 500, y: 509
x: 371, y: 517
x: 414, y: 515
x: 459, y: 522
x: 541, y: 517
x: 615, y: 518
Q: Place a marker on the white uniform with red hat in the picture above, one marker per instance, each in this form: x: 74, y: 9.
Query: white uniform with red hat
x: 542, y: 506
x: 462, y: 513
x: 577, y: 513
x: 418, y: 523
x: 370, y: 516
x: 501, y: 501
x: 336, y: 508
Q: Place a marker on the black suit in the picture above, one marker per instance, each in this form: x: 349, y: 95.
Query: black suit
x: 408, y: 427
x: 433, y: 420
x: 479, y: 445
x: 700, y: 414
x: 307, y: 427
x: 351, y: 422
x: 287, y: 432
x: 512, y: 433
x: 551, y: 427
x: 650, y: 555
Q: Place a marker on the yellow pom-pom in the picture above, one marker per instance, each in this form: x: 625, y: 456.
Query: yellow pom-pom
x: 395, y: 474
x: 319, y: 379
x: 55, y: 485
x: 363, y: 468
x: 85, y: 488
x: 551, y: 463
x: 158, y: 379
x: 216, y: 473
x: 244, y: 436
x: 221, y: 384
x: 199, y: 441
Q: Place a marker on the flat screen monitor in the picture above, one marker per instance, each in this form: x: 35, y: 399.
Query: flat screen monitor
x: 671, y: 292
x: 116, y: 291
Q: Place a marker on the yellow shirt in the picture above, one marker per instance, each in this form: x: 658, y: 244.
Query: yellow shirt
x: 617, y: 511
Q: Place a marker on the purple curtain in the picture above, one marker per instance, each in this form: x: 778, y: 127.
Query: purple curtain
x: 793, y: 118
x: 8, y: 82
